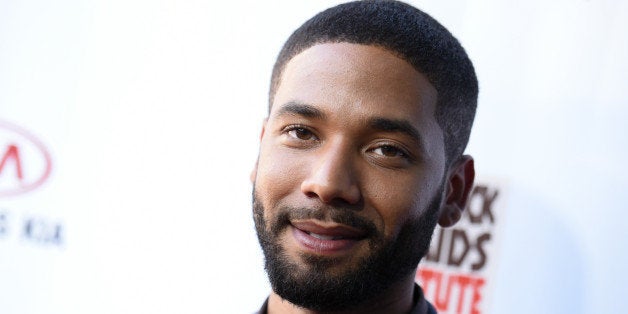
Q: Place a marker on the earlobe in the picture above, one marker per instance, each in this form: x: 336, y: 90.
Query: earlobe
x: 458, y: 187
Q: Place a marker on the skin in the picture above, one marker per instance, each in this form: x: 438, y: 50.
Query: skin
x: 320, y: 147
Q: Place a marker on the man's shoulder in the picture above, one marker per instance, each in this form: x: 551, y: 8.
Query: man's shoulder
x: 421, y: 305
x: 430, y: 308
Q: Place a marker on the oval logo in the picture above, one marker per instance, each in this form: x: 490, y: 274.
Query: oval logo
x: 24, y: 160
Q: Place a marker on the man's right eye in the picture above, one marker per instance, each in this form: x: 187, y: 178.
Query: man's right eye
x: 301, y: 133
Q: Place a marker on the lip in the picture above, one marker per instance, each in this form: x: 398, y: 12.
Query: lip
x: 324, y: 238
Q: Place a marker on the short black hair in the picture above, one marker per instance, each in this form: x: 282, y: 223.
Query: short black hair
x: 410, y: 34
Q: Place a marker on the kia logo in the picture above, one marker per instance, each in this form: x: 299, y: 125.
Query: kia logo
x: 25, y: 163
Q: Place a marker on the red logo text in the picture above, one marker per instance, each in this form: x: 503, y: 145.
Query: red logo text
x: 24, y: 160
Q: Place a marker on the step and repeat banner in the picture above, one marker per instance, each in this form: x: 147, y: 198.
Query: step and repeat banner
x: 128, y: 130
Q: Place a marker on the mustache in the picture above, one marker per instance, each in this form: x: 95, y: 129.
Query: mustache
x: 342, y: 216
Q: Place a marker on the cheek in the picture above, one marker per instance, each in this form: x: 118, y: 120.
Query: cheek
x: 277, y: 177
x: 398, y: 199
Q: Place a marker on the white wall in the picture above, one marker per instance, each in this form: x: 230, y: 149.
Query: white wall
x: 151, y: 112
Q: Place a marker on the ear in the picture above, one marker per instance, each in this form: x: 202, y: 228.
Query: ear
x: 457, y: 189
x: 253, y: 174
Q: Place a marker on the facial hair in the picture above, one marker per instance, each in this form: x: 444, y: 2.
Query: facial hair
x: 312, y: 285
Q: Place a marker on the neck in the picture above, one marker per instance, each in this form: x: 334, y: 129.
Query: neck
x: 399, y: 298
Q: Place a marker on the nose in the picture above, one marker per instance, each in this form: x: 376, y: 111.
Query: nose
x: 332, y: 177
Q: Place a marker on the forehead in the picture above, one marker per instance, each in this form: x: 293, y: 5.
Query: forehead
x: 356, y: 78
x: 355, y: 75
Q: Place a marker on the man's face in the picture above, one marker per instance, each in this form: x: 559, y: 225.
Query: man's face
x: 350, y: 172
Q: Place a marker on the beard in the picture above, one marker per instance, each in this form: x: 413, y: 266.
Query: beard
x: 313, y: 285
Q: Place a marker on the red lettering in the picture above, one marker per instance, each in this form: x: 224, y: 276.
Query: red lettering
x: 442, y: 301
x: 425, y: 275
x: 12, y: 153
x: 477, y: 286
x: 463, y: 281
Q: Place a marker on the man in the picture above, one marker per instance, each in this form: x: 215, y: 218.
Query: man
x: 370, y: 109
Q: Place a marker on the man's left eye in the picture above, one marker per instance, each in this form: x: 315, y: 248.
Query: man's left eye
x: 390, y: 151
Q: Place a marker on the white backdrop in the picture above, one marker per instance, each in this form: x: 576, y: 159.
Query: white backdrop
x: 151, y: 112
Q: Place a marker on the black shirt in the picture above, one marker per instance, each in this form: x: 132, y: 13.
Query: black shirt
x: 421, y: 306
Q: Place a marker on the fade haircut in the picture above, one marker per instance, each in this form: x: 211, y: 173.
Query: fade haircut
x: 413, y: 36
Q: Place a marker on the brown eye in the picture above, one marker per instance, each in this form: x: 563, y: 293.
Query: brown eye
x: 301, y: 133
x: 389, y: 151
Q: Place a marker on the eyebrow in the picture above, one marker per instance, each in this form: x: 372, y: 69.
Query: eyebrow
x: 377, y: 123
x: 397, y: 125
x: 301, y: 109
